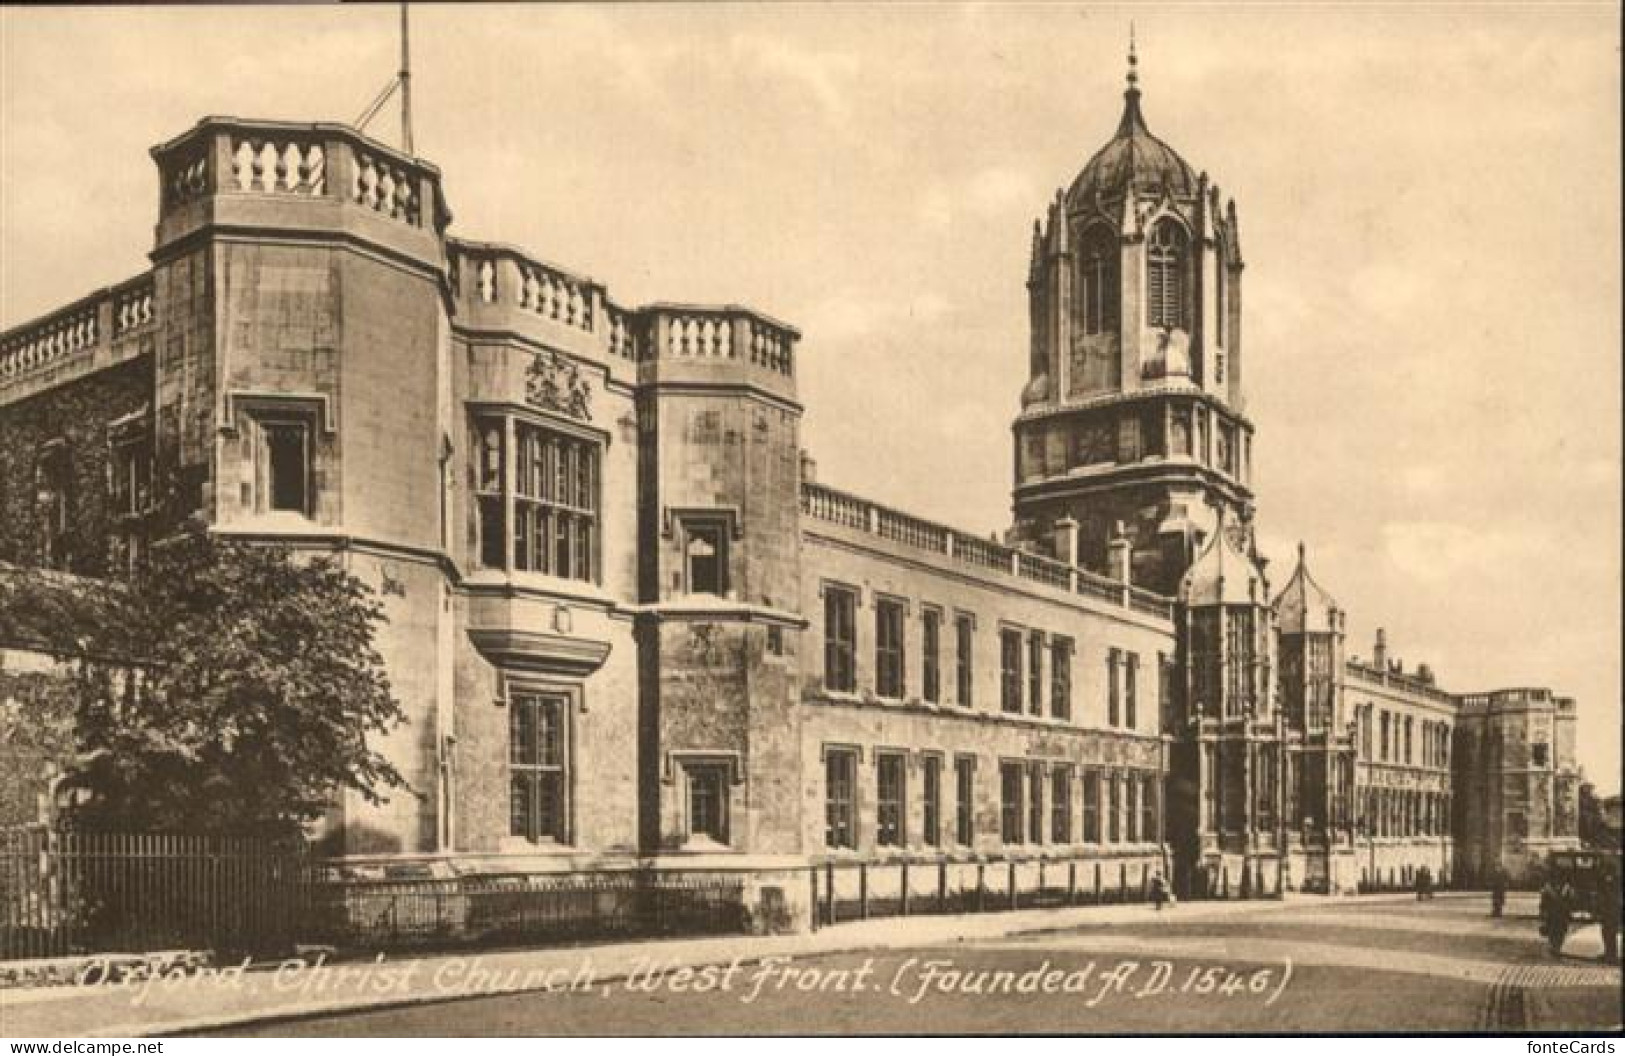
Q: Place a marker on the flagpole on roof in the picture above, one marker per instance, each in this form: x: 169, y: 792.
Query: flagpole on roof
x: 402, y: 81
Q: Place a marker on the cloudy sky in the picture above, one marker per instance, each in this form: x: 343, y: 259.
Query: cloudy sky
x: 1429, y: 203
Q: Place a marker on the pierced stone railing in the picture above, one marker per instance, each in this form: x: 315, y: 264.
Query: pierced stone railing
x: 554, y: 295
x: 1043, y: 570
x: 974, y: 550
x: 911, y: 531
x: 286, y: 164
x: 623, y: 340
x: 233, y: 157
x: 821, y: 503
x: 384, y: 186
x: 104, y: 317
x: 771, y: 347
x: 826, y: 504
x: 132, y: 307
x: 699, y: 334
x: 38, y: 346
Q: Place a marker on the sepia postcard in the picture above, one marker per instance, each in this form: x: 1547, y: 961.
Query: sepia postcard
x: 727, y: 520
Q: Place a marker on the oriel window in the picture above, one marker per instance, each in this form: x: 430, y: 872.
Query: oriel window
x: 553, y: 488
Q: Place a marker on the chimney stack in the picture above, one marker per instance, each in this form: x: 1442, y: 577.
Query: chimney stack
x: 1379, y: 651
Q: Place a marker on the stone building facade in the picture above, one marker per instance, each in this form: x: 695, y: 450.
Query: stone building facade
x: 630, y: 627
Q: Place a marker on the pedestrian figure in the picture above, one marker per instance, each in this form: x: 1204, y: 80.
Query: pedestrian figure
x: 1607, y: 911
x: 1424, y: 883
x: 1556, y: 903
x: 1159, y: 891
x: 1498, y: 892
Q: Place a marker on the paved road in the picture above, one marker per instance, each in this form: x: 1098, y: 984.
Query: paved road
x: 1437, y: 966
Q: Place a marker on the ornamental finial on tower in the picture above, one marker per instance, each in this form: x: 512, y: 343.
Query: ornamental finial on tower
x: 1133, y: 61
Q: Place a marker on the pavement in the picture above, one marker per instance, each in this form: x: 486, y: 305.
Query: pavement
x: 1318, y: 934
x: 293, y: 990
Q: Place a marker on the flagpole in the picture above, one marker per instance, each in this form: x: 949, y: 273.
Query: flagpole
x: 406, y: 82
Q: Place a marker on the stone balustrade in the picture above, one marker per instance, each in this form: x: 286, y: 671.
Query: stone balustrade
x: 722, y: 334
x: 822, y: 503
x: 230, y: 156
x: 1394, y: 680
x: 94, y: 322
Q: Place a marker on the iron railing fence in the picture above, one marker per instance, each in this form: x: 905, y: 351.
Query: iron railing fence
x: 65, y: 891
x: 843, y: 891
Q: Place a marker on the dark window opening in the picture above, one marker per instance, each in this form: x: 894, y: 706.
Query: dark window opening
x: 889, y: 800
x: 708, y: 801
x: 840, y: 806
x: 840, y: 640
x: 705, y: 558
x: 287, y: 457
x: 889, y: 678
x: 536, y: 763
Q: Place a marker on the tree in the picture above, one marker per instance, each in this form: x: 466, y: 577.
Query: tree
x: 257, y: 694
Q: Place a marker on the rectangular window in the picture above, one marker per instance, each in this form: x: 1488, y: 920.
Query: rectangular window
x: 1060, y: 805
x: 1060, y: 678
x: 53, y: 479
x: 1537, y: 753
x: 1091, y: 806
x: 285, y: 464
x: 551, y: 481
x: 1131, y: 807
x: 1113, y: 702
x: 964, y: 633
x: 965, y: 800
x: 536, y: 767
x: 889, y: 800
x: 705, y: 556
x: 931, y: 650
x: 1035, y: 802
x: 1010, y: 670
x: 931, y: 790
x: 1131, y: 691
x: 1010, y: 802
x: 1149, y: 827
x: 130, y: 475
x: 707, y: 801
x: 840, y: 639
x: 840, y: 802
x: 1035, y: 672
x: 889, y: 680
x: 1114, y: 808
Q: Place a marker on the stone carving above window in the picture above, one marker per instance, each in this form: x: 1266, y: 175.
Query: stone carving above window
x: 554, y: 382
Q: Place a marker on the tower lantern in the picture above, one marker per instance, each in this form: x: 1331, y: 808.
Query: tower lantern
x: 1133, y: 408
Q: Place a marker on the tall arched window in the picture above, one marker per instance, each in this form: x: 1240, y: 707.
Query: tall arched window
x: 1165, y: 276
x: 1099, y: 286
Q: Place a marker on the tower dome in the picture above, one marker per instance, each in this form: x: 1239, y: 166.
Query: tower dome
x: 1303, y: 607
x: 1133, y: 159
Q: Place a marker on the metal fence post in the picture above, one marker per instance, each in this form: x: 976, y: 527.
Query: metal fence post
x: 904, y: 906
x: 1013, y: 883
x: 863, y: 890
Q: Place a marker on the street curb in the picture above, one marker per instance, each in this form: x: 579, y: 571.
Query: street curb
x: 357, y: 1004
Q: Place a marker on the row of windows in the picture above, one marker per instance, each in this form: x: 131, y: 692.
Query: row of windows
x: 1401, y: 740
x: 1035, y: 669
x: 1038, y: 802
x: 1401, y: 812
x: 129, y: 491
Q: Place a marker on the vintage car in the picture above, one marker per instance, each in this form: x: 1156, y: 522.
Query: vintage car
x: 1587, y: 872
